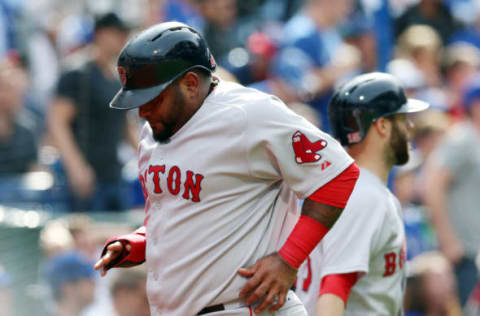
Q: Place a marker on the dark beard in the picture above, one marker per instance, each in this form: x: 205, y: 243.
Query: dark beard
x: 164, y: 137
x: 399, y: 146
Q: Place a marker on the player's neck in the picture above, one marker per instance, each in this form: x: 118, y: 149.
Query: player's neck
x: 371, y: 160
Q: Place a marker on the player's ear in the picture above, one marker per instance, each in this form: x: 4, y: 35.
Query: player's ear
x: 190, y: 83
x: 383, y: 126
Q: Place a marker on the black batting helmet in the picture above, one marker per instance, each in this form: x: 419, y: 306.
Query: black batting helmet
x: 361, y: 101
x: 153, y: 59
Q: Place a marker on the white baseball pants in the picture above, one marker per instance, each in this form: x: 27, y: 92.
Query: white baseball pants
x: 292, y: 307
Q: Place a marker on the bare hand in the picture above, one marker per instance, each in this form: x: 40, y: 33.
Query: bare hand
x: 269, y: 278
x: 113, y: 251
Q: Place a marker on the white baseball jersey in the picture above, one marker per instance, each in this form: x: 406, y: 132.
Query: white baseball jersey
x: 368, y: 238
x: 223, y: 193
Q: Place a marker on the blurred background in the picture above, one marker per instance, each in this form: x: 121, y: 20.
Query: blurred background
x: 68, y: 171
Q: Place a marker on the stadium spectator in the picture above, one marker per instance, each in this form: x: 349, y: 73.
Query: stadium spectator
x: 71, y: 280
x: 460, y: 65
x: 185, y: 11
x: 409, y: 75
x: 429, y: 130
x: 422, y: 45
x: 221, y: 25
x: 85, y: 130
x: 431, y: 287
x: 433, y: 13
x: 314, y: 30
x: 358, y: 31
x: 471, y: 32
x: 18, y: 142
x: 452, y: 179
x: 55, y: 238
x: 255, y: 66
x: 129, y: 293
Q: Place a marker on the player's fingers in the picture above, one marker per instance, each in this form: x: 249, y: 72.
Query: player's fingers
x: 103, y: 272
x: 251, y: 284
x: 246, y: 273
x: 280, y: 301
x: 98, y: 264
x: 115, y: 247
x: 258, y: 293
x: 269, y: 300
x: 109, y: 256
x: 113, y: 250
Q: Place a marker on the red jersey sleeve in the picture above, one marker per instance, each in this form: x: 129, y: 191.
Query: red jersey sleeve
x: 337, y: 191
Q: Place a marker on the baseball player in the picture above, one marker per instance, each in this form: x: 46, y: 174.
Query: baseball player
x: 222, y: 167
x: 358, y: 268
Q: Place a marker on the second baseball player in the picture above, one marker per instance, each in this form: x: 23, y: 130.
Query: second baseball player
x: 358, y: 268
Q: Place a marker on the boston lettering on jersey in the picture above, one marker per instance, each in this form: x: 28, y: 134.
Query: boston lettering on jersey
x: 187, y: 183
x: 391, y: 260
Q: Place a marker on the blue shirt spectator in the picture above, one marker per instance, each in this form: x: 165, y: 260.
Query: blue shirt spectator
x: 71, y: 279
x: 314, y: 31
x: 183, y: 11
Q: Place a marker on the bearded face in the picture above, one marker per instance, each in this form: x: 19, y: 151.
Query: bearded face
x: 177, y: 106
x: 398, y: 151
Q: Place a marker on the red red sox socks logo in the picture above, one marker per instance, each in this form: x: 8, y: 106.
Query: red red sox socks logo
x: 305, y: 150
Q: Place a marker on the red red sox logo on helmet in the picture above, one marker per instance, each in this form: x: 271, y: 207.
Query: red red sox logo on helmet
x: 212, y: 61
x: 122, y: 74
x: 305, y: 150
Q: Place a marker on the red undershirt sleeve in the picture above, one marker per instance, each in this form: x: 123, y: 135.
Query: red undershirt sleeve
x: 339, y: 285
x: 337, y: 191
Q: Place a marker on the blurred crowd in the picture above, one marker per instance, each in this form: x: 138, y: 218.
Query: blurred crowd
x: 66, y: 284
x: 63, y: 149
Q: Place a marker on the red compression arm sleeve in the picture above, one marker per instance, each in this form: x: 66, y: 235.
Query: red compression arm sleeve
x: 308, y: 232
x: 337, y: 192
x: 137, y: 241
x: 339, y: 285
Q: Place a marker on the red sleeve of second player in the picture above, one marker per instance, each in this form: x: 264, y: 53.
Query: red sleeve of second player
x: 338, y: 285
x: 337, y: 191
